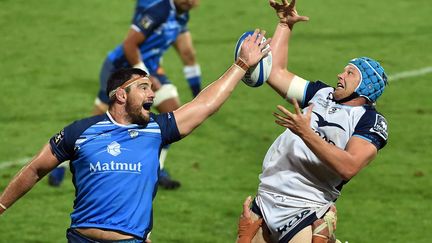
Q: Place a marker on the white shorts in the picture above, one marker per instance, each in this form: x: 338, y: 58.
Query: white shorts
x: 284, y: 216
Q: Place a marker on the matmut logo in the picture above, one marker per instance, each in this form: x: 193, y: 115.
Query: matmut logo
x: 112, y: 166
x: 114, y: 148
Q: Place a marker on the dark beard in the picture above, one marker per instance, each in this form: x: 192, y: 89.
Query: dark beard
x: 134, y: 112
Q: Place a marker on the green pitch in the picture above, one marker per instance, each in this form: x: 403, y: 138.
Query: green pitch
x: 50, y: 55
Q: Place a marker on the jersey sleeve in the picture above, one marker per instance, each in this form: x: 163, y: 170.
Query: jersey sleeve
x: 311, y: 89
x: 63, y: 143
x: 146, y: 20
x: 168, y: 127
x: 372, y: 127
x: 183, y: 19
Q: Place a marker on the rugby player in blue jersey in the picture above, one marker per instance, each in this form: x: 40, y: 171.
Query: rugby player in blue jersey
x: 156, y: 25
x: 338, y: 133
x: 114, y: 157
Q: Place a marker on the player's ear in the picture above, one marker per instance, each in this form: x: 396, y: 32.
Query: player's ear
x: 121, y: 95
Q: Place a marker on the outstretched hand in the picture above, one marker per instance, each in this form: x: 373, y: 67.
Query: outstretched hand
x: 298, y: 122
x: 252, y: 50
x: 287, y: 13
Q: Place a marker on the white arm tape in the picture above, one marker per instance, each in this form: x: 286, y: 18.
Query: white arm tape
x: 296, y: 89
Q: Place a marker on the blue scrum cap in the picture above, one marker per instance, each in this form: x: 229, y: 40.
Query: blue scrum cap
x: 372, y: 79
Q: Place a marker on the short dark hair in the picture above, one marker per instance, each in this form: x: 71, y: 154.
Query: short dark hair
x: 120, y: 76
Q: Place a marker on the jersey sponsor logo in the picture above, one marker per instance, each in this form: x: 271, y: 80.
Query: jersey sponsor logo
x: 146, y: 22
x: 323, y: 123
x: 59, y: 137
x: 380, y: 126
x: 294, y: 221
x: 133, y: 133
x: 112, y: 166
x: 323, y: 102
x: 323, y: 136
x: 333, y: 110
x: 114, y: 148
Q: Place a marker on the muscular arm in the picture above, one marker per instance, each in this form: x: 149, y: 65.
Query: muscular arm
x: 192, y: 114
x: 346, y: 162
x: 280, y: 78
x: 131, y: 46
x: 185, y: 49
x: 29, y: 175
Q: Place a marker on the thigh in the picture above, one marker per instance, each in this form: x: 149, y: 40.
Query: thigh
x: 303, y: 236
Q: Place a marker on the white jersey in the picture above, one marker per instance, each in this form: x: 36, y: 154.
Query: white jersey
x: 292, y: 171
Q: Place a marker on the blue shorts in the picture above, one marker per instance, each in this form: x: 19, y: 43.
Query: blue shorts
x: 74, y: 236
x: 109, y: 68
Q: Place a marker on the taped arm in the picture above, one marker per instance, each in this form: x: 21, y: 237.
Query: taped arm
x: 28, y: 176
x: 285, y: 83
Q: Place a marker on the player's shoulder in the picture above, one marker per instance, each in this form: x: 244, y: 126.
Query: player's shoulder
x: 318, y: 87
x: 183, y: 18
x: 160, y: 5
x: 83, y: 124
x: 376, y: 121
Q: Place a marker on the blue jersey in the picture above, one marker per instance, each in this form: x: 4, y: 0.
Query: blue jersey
x: 160, y: 24
x: 115, y: 170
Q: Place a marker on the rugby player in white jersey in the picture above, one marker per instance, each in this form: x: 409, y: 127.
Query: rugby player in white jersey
x: 337, y: 134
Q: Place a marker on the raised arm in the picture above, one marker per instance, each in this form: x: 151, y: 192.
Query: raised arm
x: 192, y: 114
x: 280, y: 78
x: 29, y: 175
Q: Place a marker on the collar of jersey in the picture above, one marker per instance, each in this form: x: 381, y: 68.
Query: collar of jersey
x: 118, y: 124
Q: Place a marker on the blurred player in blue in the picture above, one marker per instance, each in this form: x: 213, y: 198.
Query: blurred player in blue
x: 114, y: 157
x: 337, y: 134
x: 156, y: 25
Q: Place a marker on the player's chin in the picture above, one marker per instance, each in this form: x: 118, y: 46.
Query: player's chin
x: 338, y: 95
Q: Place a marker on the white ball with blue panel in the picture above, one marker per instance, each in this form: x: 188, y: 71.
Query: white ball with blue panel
x: 256, y: 75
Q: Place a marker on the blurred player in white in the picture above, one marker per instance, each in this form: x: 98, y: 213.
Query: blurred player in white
x: 337, y: 134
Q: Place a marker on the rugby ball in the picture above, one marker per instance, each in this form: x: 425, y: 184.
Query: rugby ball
x: 256, y: 75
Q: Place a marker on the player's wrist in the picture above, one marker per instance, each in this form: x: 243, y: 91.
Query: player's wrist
x: 242, y: 64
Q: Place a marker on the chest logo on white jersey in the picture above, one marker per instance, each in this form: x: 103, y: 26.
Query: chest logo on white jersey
x: 323, y: 123
x: 333, y: 110
x: 114, y: 148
